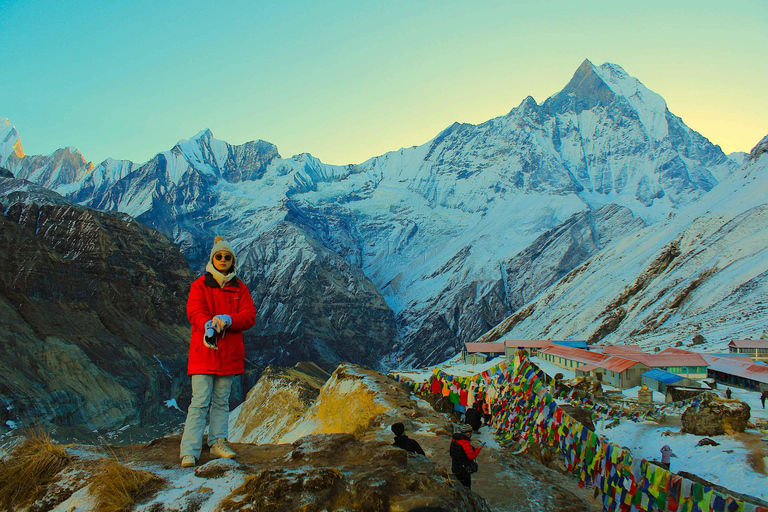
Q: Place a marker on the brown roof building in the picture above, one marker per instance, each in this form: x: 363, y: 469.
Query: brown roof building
x: 756, y: 349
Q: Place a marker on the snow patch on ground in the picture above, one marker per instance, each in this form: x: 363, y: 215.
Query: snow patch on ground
x: 725, y: 465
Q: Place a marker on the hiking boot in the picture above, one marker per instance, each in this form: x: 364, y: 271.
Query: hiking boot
x: 210, y: 340
x: 187, y: 461
x: 220, y: 449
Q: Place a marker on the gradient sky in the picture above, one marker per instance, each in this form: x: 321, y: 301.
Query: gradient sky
x: 349, y: 80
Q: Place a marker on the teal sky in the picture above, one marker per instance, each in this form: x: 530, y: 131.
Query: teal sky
x: 348, y: 80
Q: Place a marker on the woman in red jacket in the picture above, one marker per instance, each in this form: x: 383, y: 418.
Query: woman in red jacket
x: 220, y: 308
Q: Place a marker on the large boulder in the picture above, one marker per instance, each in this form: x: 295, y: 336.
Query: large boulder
x: 715, y: 416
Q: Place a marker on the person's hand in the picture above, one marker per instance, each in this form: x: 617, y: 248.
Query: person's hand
x: 221, y: 322
x: 209, y: 328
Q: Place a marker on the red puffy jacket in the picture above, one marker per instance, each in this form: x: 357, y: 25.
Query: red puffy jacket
x: 206, y: 300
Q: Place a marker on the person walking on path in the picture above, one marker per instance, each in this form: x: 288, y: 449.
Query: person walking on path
x: 462, y: 453
x: 473, y: 417
x: 666, y: 453
x: 764, y: 397
x: 728, y: 393
x: 404, y: 442
x: 219, y: 308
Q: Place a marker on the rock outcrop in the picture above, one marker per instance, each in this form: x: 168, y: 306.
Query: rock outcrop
x: 715, y: 416
x: 354, y: 400
x: 278, y: 400
x: 340, y: 472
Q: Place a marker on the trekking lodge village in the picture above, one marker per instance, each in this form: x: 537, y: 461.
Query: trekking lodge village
x: 679, y: 421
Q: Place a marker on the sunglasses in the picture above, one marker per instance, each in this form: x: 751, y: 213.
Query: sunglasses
x: 225, y: 257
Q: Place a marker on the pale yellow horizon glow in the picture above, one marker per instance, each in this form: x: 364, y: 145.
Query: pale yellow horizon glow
x: 347, y: 80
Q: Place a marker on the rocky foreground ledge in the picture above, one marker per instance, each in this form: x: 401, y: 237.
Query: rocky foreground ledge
x: 313, y: 446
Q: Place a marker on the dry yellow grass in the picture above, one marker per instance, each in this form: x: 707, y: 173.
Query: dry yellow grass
x: 117, y: 487
x: 28, y: 469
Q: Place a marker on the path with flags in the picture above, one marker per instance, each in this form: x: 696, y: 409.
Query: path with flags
x: 526, y: 414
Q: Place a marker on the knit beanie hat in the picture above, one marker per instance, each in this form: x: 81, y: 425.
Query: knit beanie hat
x: 398, y: 429
x: 466, y: 429
x: 221, y: 245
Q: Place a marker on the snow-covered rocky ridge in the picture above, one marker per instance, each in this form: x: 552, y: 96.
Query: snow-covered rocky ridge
x: 430, y: 231
x: 703, y: 271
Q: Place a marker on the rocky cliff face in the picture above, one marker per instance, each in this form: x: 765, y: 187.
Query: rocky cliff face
x: 476, y: 307
x: 311, y: 304
x: 92, y: 315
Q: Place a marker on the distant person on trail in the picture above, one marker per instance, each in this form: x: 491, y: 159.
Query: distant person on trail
x: 728, y: 393
x: 666, y: 453
x: 219, y: 308
x: 473, y: 417
x: 403, y: 441
x: 764, y: 397
x: 462, y: 453
x: 487, y: 412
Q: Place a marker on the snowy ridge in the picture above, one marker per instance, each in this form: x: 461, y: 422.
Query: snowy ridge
x: 705, y: 271
x: 10, y: 143
x: 650, y: 107
x: 431, y: 226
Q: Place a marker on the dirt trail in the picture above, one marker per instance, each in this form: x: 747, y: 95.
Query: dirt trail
x: 512, y: 483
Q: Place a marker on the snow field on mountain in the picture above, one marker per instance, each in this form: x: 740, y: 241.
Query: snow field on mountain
x: 726, y: 232
x: 650, y: 107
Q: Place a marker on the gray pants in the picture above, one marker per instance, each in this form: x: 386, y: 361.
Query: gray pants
x: 208, y: 391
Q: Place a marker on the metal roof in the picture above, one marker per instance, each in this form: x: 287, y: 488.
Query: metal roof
x: 748, y: 343
x: 614, y: 364
x: 665, y: 358
x: 574, y: 354
x: 663, y: 376
x: 617, y: 364
x: 738, y: 368
x: 490, y: 348
x: 587, y: 367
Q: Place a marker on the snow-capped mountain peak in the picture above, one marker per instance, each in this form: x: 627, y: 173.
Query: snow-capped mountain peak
x: 10, y: 143
x: 650, y: 107
x: 599, y: 87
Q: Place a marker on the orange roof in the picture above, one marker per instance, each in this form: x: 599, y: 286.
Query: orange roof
x: 664, y: 359
x: 617, y: 364
x: 614, y: 364
x: 491, y: 348
x: 574, y: 354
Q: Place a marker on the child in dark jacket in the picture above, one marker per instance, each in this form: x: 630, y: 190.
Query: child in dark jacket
x: 403, y: 441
